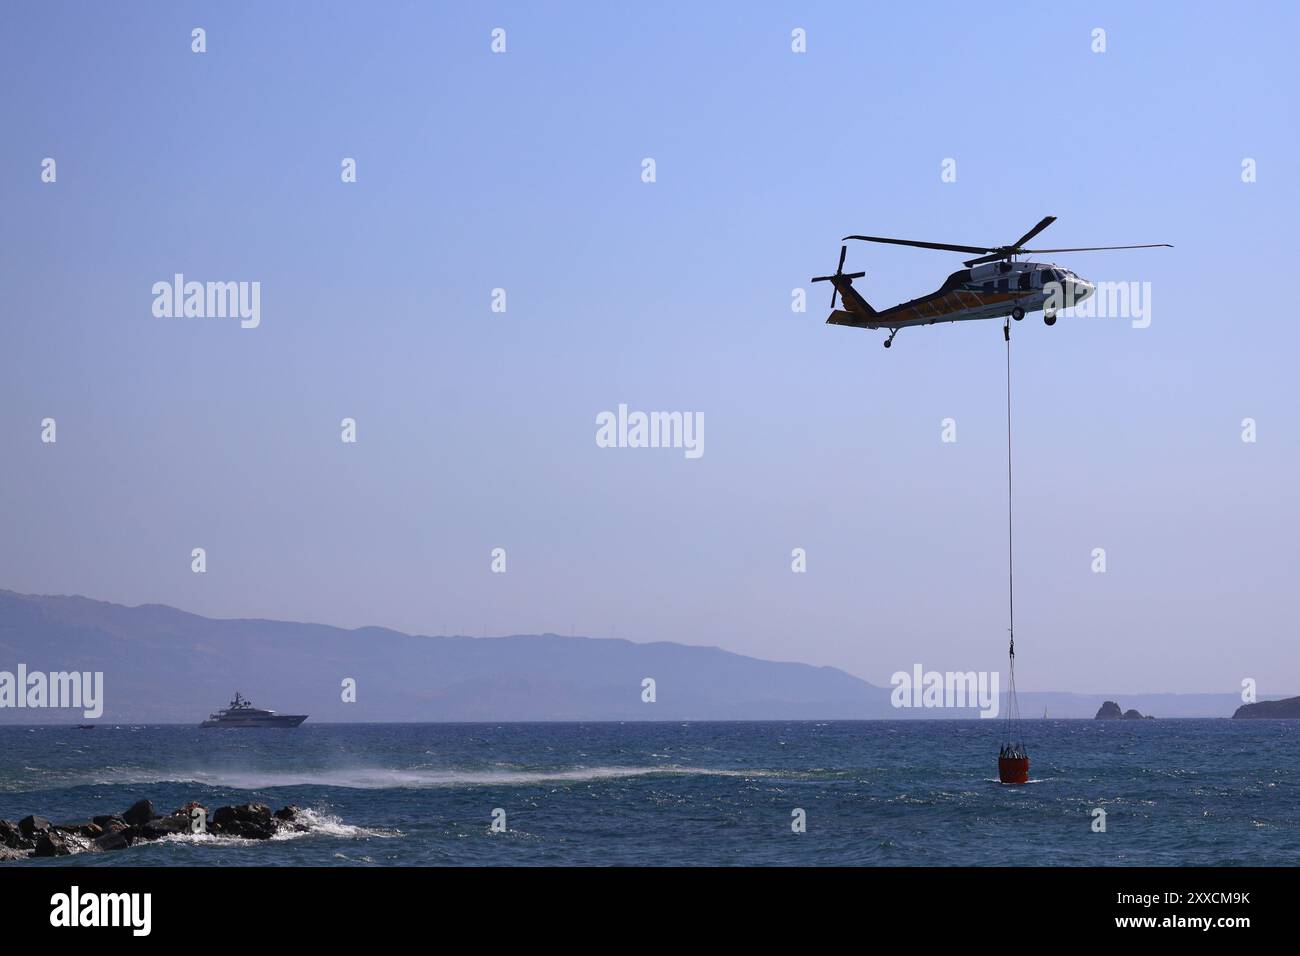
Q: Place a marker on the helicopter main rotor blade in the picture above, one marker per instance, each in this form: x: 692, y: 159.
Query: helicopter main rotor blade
x: 1046, y: 221
x: 946, y: 246
x: 982, y: 259
x: 1149, y: 245
x: 1006, y: 255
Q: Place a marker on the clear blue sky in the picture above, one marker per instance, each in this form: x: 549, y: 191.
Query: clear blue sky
x: 522, y: 171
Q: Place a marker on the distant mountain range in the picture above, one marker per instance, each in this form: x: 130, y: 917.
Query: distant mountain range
x: 163, y: 665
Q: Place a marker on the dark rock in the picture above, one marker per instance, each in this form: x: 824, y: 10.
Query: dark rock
x: 163, y: 826
x: 223, y: 816
x: 32, y: 827
x: 88, y: 830
x: 141, y: 812
x: 252, y: 821
x: 1133, y: 715
x: 11, y: 837
x: 118, y: 839
x: 36, y: 836
x: 250, y: 830
x: 188, y: 814
x: 254, y: 811
x: 287, y: 818
x: 52, y: 843
x: 247, y: 812
x: 1287, y: 709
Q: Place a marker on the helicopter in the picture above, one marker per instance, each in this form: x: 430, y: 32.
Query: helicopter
x: 992, y: 285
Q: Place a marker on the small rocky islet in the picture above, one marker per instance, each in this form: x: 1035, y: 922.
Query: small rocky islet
x: 34, y: 836
x: 1111, y: 711
x: 1286, y: 709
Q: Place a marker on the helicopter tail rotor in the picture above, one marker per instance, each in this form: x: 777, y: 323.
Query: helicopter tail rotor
x: 839, y: 274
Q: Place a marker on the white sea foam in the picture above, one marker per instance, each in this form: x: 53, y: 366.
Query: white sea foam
x: 314, y: 823
x: 366, y: 778
x: 319, y: 823
x: 381, y: 778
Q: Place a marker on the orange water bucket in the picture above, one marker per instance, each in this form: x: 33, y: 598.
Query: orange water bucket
x: 1013, y: 769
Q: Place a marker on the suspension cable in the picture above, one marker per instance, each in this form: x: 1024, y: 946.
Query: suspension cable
x: 1011, y: 575
x: 1013, y: 707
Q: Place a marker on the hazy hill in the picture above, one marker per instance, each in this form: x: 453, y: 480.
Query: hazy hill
x: 165, y: 665
x: 161, y: 664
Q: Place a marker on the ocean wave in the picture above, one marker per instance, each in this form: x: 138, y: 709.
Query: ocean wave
x: 380, y: 778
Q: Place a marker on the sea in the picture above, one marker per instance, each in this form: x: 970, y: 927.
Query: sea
x: 802, y: 793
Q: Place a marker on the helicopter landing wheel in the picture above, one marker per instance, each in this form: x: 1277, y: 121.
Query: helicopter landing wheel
x: 1017, y: 313
x: 1049, y: 318
x: 889, y: 343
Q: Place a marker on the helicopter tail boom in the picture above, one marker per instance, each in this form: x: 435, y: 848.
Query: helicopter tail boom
x: 852, y: 298
x: 856, y: 311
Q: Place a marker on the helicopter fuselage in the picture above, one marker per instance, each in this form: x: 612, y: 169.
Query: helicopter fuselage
x: 989, y: 291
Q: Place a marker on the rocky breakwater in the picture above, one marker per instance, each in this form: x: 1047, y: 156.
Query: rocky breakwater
x: 35, y: 836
